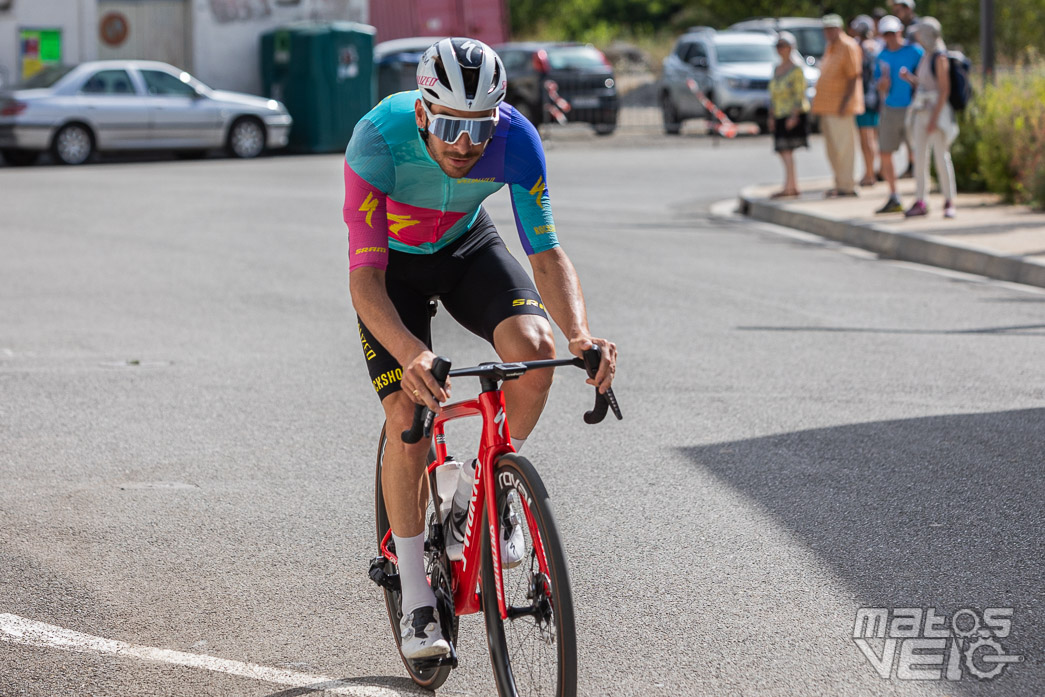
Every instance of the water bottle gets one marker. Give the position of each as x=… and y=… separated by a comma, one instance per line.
x=464, y=485
x=446, y=481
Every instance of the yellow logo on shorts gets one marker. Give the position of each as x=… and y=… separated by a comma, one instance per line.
x=527, y=302
x=367, y=351
x=543, y=229
x=388, y=378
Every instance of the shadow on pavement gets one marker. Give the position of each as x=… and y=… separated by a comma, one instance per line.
x=941, y=512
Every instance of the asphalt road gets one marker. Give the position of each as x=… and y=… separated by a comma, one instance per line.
x=187, y=437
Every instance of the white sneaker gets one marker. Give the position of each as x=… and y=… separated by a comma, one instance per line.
x=513, y=544
x=422, y=635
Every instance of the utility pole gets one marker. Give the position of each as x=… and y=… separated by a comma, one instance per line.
x=987, y=39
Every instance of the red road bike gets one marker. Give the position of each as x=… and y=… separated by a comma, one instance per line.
x=528, y=608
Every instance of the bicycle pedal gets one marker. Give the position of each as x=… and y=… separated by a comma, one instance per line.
x=381, y=577
x=420, y=664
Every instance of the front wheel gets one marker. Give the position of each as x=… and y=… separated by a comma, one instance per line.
x=670, y=114
x=534, y=651
x=246, y=138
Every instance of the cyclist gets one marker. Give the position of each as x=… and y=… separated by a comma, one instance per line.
x=417, y=170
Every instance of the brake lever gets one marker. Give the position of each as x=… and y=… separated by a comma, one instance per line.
x=603, y=401
x=423, y=416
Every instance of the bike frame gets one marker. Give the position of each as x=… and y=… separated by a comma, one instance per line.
x=495, y=442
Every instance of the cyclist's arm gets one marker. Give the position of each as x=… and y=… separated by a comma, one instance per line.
x=560, y=289
x=365, y=214
x=554, y=275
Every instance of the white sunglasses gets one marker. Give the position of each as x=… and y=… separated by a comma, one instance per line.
x=450, y=128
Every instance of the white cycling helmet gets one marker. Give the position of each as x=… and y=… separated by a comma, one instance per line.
x=462, y=74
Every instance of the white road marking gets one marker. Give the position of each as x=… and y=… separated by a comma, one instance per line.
x=19, y=630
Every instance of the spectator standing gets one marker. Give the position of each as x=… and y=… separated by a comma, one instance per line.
x=790, y=106
x=895, y=98
x=867, y=122
x=904, y=11
x=839, y=97
x=933, y=126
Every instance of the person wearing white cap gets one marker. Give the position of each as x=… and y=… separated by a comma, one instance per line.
x=932, y=122
x=839, y=97
x=898, y=54
x=904, y=11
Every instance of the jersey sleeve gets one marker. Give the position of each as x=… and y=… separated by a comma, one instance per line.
x=527, y=177
x=369, y=175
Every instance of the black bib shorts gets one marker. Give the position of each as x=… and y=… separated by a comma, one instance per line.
x=475, y=277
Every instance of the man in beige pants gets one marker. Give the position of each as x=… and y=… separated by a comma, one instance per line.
x=839, y=98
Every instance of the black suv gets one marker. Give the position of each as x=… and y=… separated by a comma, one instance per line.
x=582, y=76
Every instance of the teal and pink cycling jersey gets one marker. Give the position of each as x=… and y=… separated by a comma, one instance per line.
x=397, y=197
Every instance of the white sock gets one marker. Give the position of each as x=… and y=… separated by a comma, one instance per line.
x=517, y=443
x=411, y=554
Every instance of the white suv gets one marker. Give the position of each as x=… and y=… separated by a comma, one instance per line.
x=731, y=68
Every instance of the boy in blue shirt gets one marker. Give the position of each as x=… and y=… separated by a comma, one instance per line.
x=898, y=55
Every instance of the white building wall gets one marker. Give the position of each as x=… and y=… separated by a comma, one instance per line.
x=78, y=20
x=227, y=34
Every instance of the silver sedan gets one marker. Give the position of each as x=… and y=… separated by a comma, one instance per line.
x=132, y=105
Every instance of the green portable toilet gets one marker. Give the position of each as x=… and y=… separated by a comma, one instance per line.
x=324, y=73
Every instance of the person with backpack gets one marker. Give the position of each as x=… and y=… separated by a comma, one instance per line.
x=867, y=122
x=932, y=119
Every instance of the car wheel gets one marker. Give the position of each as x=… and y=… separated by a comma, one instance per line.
x=604, y=129
x=246, y=138
x=73, y=144
x=20, y=158
x=672, y=125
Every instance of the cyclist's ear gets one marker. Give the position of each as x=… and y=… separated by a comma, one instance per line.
x=419, y=115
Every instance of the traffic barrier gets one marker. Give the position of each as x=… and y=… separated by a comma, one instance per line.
x=558, y=106
x=724, y=126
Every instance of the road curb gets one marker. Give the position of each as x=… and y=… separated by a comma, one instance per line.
x=890, y=244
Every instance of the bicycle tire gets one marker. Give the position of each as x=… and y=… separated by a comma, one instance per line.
x=430, y=678
x=505, y=637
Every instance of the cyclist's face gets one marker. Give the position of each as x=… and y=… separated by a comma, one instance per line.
x=458, y=158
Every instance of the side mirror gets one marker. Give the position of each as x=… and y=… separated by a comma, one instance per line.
x=698, y=62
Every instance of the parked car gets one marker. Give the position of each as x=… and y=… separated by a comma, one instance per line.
x=396, y=63
x=809, y=33
x=74, y=111
x=582, y=75
x=732, y=69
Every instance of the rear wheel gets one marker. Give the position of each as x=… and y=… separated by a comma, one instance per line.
x=534, y=651
x=73, y=144
x=670, y=114
x=438, y=570
x=604, y=129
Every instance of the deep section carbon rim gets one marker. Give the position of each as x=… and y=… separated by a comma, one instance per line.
x=533, y=651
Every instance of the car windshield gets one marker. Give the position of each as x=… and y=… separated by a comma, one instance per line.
x=745, y=53
x=575, y=57
x=45, y=78
x=811, y=41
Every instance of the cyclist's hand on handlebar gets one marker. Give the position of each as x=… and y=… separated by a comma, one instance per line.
x=607, y=366
x=420, y=385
